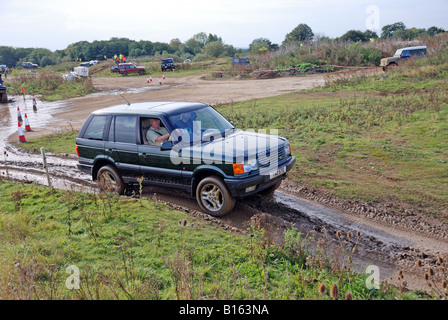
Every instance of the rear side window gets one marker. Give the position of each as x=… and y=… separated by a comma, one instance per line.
x=95, y=128
x=125, y=129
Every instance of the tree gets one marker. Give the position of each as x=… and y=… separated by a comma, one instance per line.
x=389, y=30
x=354, y=36
x=300, y=33
x=261, y=45
x=214, y=49
x=213, y=38
x=432, y=31
x=175, y=43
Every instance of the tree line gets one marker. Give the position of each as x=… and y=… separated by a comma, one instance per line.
x=199, y=47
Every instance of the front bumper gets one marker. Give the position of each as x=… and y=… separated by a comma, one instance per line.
x=239, y=187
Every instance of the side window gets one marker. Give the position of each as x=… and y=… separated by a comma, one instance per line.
x=95, y=129
x=125, y=129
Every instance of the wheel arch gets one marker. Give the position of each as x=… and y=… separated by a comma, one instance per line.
x=202, y=173
x=100, y=163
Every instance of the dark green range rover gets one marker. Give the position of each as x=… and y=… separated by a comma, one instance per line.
x=202, y=152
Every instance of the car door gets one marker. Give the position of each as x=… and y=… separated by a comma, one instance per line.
x=122, y=145
x=156, y=165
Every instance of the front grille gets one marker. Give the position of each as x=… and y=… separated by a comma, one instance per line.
x=271, y=157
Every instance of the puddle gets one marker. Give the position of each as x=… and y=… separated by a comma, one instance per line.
x=112, y=92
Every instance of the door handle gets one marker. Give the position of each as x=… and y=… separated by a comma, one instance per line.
x=142, y=154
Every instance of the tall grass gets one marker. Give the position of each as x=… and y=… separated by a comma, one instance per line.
x=51, y=87
x=139, y=249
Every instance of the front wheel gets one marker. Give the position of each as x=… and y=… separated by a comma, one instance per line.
x=213, y=197
x=110, y=180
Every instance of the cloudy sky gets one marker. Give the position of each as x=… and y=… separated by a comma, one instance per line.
x=54, y=24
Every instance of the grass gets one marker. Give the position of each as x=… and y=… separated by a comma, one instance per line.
x=127, y=248
x=51, y=86
x=63, y=143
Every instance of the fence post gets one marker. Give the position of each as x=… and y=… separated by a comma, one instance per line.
x=42, y=151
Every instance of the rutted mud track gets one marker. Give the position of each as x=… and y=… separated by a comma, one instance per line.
x=391, y=237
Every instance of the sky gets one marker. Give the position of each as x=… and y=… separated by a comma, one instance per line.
x=54, y=24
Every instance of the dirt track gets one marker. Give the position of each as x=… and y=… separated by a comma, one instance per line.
x=392, y=239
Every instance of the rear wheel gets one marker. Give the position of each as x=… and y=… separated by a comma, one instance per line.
x=141, y=72
x=110, y=180
x=213, y=197
x=125, y=74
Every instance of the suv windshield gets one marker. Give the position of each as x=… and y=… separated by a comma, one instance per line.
x=206, y=120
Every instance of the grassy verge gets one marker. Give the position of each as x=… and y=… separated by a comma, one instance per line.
x=50, y=86
x=55, y=143
x=127, y=248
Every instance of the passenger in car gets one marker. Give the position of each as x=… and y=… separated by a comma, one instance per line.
x=156, y=134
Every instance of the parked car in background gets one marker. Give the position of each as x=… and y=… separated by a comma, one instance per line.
x=29, y=65
x=4, y=68
x=204, y=154
x=240, y=61
x=168, y=64
x=126, y=68
x=401, y=54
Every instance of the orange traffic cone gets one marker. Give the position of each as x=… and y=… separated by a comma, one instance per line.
x=21, y=135
x=19, y=115
x=27, y=124
x=163, y=77
x=160, y=81
x=150, y=79
x=147, y=79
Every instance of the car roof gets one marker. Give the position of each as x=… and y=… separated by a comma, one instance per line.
x=152, y=108
x=413, y=48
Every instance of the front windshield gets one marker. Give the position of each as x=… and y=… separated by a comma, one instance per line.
x=201, y=122
x=398, y=52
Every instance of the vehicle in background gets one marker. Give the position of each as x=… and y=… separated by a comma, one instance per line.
x=240, y=61
x=168, y=64
x=29, y=65
x=401, y=54
x=4, y=68
x=82, y=72
x=126, y=68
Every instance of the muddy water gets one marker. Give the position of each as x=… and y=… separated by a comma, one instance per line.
x=18, y=165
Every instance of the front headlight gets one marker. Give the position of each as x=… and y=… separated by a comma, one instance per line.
x=246, y=167
x=250, y=165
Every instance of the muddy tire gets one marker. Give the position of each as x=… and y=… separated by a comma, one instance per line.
x=109, y=180
x=213, y=197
